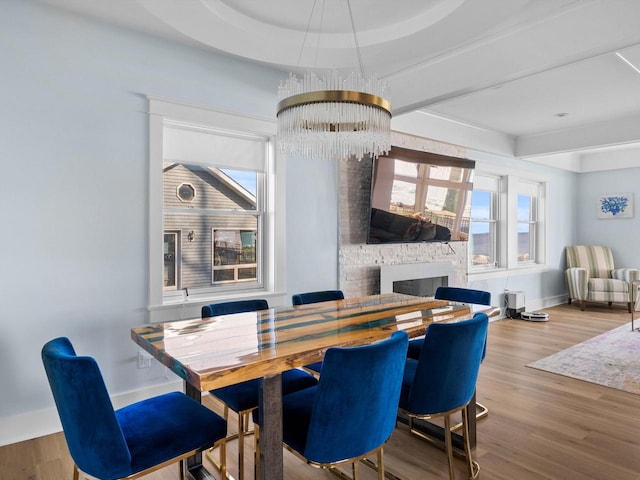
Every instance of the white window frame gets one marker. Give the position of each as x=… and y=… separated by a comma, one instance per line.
x=491, y=184
x=163, y=304
x=509, y=185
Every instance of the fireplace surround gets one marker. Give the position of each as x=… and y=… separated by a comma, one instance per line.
x=420, y=279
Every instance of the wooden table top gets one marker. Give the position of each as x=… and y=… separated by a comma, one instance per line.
x=224, y=350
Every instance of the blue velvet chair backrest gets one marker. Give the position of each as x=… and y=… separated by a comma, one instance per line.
x=355, y=406
x=315, y=297
x=448, y=366
x=465, y=295
x=93, y=434
x=228, y=308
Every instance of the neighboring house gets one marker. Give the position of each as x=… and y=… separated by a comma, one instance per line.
x=209, y=231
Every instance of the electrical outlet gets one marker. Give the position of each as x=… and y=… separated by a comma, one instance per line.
x=144, y=360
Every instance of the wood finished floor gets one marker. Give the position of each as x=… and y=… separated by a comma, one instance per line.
x=540, y=425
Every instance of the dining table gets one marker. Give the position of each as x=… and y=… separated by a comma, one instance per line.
x=224, y=350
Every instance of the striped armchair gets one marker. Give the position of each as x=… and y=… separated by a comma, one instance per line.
x=592, y=277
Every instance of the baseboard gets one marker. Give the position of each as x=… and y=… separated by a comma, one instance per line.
x=547, y=302
x=19, y=428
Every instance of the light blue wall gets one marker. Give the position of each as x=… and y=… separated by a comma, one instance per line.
x=312, y=226
x=620, y=234
x=74, y=186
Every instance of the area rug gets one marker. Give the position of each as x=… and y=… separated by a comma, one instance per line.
x=611, y=359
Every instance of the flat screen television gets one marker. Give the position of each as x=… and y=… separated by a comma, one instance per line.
x=420, y=197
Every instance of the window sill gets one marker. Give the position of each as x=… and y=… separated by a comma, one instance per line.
x=190, y=307
x=506, y=272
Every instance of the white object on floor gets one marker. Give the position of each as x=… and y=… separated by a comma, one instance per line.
x=535, y=316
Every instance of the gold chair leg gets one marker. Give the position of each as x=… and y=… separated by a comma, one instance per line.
x=473, y=467
x=448, y=445
x=481, y=412
x=256, y=454
x=223, y=459
x=243, y=427
x=76, y=473
x=241, y=419
x=221, y=466
x=379, y=467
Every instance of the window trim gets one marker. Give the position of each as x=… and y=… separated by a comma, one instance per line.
x=162, y=110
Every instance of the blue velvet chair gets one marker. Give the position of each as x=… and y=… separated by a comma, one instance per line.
x=453, y=294
x=316, y=297
x=129, y=442
x=238, y=306
x=352, y=411
x=243, y=397
x=462, y=295
x=443, y=380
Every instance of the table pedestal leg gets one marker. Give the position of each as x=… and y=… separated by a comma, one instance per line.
x=195, y=469
x=271, y=429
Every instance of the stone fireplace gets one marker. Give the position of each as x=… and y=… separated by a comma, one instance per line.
x=361, y=265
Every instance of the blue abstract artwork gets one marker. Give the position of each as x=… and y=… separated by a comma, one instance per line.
x=619, y=205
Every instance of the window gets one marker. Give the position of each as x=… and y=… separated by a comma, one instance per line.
x=186, y=193
x=527, y=199
x=220, y=228
x=483, y=240
x=506, y=223
x=213, y=204
x=234, y=256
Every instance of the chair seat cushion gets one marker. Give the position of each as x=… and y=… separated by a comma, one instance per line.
x=608, y=285
x=164, y=427
x=244, y=395
x=608, y=290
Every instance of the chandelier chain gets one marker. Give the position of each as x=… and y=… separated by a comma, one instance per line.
x=355, y=39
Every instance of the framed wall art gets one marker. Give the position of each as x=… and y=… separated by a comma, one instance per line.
x=615, y=205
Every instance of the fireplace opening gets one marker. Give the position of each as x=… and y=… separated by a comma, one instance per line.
x=420, y=287
x=418, y=279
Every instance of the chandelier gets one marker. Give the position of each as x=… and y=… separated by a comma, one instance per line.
x=331, y=116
